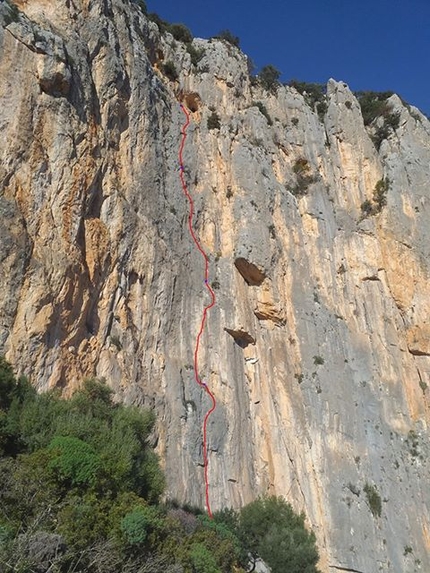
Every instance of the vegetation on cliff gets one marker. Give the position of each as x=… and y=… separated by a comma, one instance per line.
x=80, y=491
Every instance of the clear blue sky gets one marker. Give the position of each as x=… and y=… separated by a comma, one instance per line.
x=370, y=44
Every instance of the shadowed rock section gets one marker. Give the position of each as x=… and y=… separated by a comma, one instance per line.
x=418, y=338
x=250, y=272
x=241, y=337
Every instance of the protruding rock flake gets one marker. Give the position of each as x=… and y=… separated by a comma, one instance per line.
x=250, y=272
x=241, y=337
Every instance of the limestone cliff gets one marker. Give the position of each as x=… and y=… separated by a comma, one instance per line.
x=318, y=349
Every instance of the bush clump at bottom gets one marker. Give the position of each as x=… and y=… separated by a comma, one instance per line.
x=80, y=489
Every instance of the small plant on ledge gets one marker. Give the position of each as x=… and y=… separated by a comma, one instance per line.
x=214, y=121
x=170, y=71
x=301, y=169
x=379, y=199
x=373, y=499
x=263, y=110
x=228, y=37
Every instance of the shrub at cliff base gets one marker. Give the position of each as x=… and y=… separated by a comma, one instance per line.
x=80, y=491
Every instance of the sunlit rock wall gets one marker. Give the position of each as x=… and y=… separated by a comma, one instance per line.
x=318, y=349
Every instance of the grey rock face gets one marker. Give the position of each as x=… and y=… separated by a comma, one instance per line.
x=318, y=347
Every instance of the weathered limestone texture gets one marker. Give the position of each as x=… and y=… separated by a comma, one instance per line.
x=318, y=349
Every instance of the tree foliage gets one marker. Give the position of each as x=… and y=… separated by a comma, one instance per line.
x=180, y=32
x=137, y=524
x=315, y=95
x=373, y=104
x=214, y=121
x=74, y=462
x=373, y=499
x=162, y=24
x=170, y=71
x=202, y=560
x=142, y=5
x=263, y=110
x=7, y=384
x=379, y=198
x=270, y=529
x=196, y=54
x=229, y=37
x=269, y=78
x=80, y=488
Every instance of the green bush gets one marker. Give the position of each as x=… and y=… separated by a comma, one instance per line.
x=304, y=178
x=82, y=474
x=170, y=71
x=321, y=108
x=373, y=104
x=390, y=123
x=301, y=166
x=180, y=32
x=162, y=24
x=83, y=519
x=412, y=441
x=219, y=535
x=227, y=36
x=90, y=421
x=27, y=491
x=269, y=78
x=312, y=92
x=379, y=199
x=135, y=526
x=7, y=384
x=139, y=523
x=202, y=560
x=195, y=54
x=392, y=120
x=380, y=193
x=314, y=95
x=367, y=208
x=77, y=469
x=373, y=499
x=142, y=6
x=75, y=462
x=270, y=529
x=263, y=110
x=381, y=133
x=214, y=121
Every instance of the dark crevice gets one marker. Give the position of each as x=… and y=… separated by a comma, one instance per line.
x=250, y=272
x=241, y=337
x=417, y=352
x=339, y=568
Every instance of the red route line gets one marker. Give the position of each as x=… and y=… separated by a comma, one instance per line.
x=205, y=309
